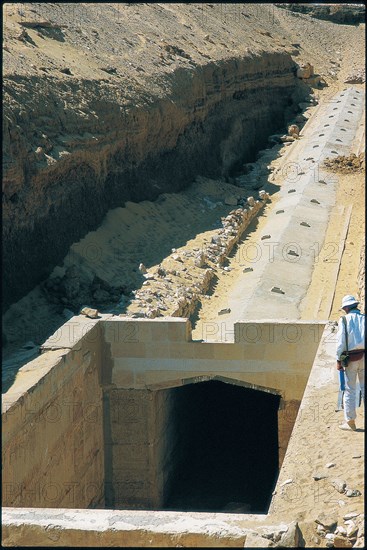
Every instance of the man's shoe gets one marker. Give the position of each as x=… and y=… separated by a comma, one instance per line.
x=349, y=426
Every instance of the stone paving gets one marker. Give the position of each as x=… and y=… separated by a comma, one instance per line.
x=283, y=254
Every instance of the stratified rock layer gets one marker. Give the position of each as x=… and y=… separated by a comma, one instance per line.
x=115, y=151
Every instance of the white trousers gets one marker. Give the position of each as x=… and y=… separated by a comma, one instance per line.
x=354, y=369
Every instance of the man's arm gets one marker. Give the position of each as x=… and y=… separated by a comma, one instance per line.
x=340, y=343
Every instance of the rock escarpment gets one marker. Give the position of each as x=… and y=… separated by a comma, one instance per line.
x=75, y=149
x=349, y=14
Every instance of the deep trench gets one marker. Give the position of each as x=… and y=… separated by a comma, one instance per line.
x=226, y=449
x=214, y=145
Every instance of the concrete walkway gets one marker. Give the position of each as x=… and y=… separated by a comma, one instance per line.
x=281, y=254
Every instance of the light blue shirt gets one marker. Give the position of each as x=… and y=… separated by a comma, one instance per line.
x=355, y=328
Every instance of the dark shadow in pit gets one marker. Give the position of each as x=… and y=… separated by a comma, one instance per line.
x=226, y=449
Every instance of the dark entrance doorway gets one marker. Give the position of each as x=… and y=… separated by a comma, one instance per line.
x=226, y=448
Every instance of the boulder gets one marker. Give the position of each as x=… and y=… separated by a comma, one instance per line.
x=153, y=313
x=305, y=71
x=352, y=492
x=293, y=130
x=254, y=540
x=89, y=312
x=161, y=272
x=230, y=200
x=339, y=484
x=287, y=139
x=39, y=153
x=318, y=475
x=216, y=240
x=292, y=538
x=329, y=522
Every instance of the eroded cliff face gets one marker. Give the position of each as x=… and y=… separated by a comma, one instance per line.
x=75, y=149
x=350, y=14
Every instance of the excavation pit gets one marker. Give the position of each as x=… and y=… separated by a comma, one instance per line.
x=132, y=416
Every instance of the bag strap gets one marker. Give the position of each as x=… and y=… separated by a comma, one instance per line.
x=346, y=332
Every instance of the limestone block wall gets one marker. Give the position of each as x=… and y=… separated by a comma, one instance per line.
x=142, y=357
x=166, y=443
x=159, y=353
x=131, y=455
x=52, y=449
x=142, y=445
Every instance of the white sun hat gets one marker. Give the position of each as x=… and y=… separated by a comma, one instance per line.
x=349, y=300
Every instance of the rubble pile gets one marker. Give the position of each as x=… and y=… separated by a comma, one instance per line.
x=356, y=77
x=328, y=532
x=346, y=534
x=176, y=286
x=346, y=164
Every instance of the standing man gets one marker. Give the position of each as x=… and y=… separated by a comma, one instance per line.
x=353, y=341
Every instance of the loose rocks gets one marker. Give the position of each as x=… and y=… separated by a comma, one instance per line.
x=231, y=200
x=188, y=283
x=352, y=493
x=327, y=522
x=346, y=164
x=305, y=71
x=293, y=130
x=89, y=312
x=339, y=484
x=319, y=475
x=291, y=538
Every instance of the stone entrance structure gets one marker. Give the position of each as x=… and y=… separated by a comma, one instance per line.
x=98, y=420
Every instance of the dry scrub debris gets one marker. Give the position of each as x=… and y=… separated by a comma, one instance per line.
x=346, y=164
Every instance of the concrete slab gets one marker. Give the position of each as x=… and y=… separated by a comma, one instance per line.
x=329, y=131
